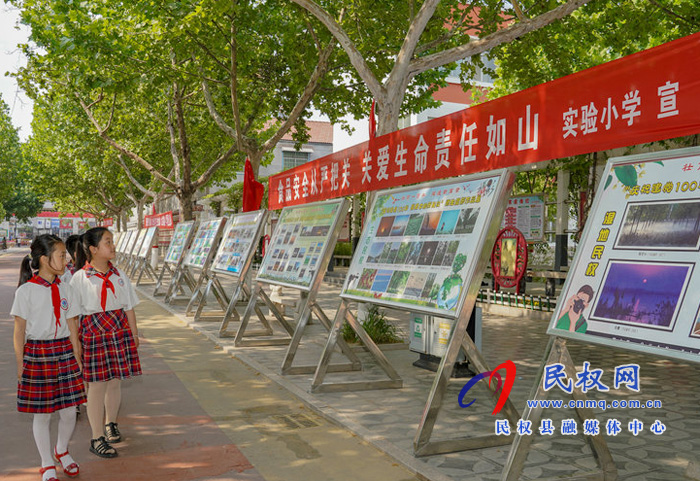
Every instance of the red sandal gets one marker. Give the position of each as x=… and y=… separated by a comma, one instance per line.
x=72, y=470
x=48, y=468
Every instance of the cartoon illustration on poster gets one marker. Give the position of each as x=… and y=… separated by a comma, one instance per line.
x=634, y=280
x=237, y=243
x=203, y=243
x=177, y=244
x=298, y=243
x=417, y=248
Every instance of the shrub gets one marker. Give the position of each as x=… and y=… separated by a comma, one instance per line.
x=379, y=329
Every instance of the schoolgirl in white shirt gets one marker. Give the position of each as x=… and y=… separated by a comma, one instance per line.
x=48, y=351
x=108, y=334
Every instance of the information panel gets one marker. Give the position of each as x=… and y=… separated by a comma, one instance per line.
x=131, y=242
x=238, y=242
x=147, y=242
x=177, y=244
x=203, y=243
x=418, y=248
x=526, y=213
x=299, y=242
x=634, y=282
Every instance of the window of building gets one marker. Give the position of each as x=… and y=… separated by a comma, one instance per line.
x=292, y=158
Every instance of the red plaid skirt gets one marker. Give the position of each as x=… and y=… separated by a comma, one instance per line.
x=51, y=378
x=109, y=350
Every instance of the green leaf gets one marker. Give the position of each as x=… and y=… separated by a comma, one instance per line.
x=626, y=174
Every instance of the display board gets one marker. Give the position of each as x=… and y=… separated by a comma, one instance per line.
x=139, y=241
x=147, y=242
x=634, y=281
x=299, y=243
x=177, y=244
x=417, y=247
x=526, y=213
x=238, y=242
x=121, y=238
x=131, y=242
x=203, y=243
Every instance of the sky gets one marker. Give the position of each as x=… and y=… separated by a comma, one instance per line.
x=11, y=59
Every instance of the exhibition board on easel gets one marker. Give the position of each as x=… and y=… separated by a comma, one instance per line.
x=202, y=248
x=635, y=278
x=138, y=243
x=147, y=242
x=298, y=246
x=238, y=242
x=178, y=244
x=419, y=247
x=131, y=244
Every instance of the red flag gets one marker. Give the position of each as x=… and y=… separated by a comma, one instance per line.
x=372, y=122
x=252, y=189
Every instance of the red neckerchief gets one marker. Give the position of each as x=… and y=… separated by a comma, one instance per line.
x=55, y=296
x=106, y=283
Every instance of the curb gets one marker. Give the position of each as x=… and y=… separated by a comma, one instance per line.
x=410, y=462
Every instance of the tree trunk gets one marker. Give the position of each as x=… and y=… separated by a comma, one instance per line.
x=186, y=205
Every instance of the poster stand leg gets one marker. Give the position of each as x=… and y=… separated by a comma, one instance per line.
x=196, y=293
x=259, y=294
x=159, y=280
x=182, y=276
x=214, y=285
x=422, y=446
x=557, y=352
x=231, y=312
x=323, y=367
x=287, y=369
x=145, y=268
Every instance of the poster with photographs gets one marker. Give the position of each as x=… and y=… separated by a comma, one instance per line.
x=419, y=246
x=238, y=242
x=203, y=243
x=299, y=242
x=526, y=213
x=634, y=281
x=147, y=241
x=178, y=243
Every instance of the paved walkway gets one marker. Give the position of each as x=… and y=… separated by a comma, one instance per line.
x=389, y=418
x=195, y=414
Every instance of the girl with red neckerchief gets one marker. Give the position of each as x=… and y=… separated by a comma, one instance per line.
x=108, y=334
x=48, y=351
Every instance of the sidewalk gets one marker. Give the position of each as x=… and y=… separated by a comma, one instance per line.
x=389, y=418
x=195, y=414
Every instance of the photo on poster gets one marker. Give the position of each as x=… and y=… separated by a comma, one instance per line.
x=385, y=252
x=431, y=289
x=398, y=281
x=448, y=221
x=451, y=252
x=414, y=224
x=366, y=279
x=440, y=253
x=393, y=253
x=384, y=229
x=427, y=253
x=414, y=253
x=644, y=294
x=466, y=221
x=375, y=252
x=695, y=330
x=399, y=225
x=661, y=225
x=430, y=223
x=404, y=250
x=415, y=284
x=381, y=280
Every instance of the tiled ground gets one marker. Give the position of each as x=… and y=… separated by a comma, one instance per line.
x=390, y=417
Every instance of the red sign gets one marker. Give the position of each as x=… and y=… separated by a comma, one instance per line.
x=509, y=258
x=66, y=223
x=108, y=222
x=651, y=95
x=163, y=221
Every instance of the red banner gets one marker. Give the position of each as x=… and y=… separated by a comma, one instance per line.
x=651, y=95
x=66, y=223
x=163, y=221
x=108, y=222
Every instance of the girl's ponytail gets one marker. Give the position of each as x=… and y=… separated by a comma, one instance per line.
x=25, y=270
x=80, y=255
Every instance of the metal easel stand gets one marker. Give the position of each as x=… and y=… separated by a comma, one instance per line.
x=422, y=445
x=201, y=292
x=159, y=279
x=324, y=365
x=213, y=284
x=144, y=267
x=182, y=278
x=558, y=353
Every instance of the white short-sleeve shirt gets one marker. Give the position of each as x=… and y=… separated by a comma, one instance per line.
x=33, y=304
x=87, y=288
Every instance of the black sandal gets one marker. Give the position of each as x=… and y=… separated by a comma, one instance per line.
x=112, y=434
x=100, y=447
